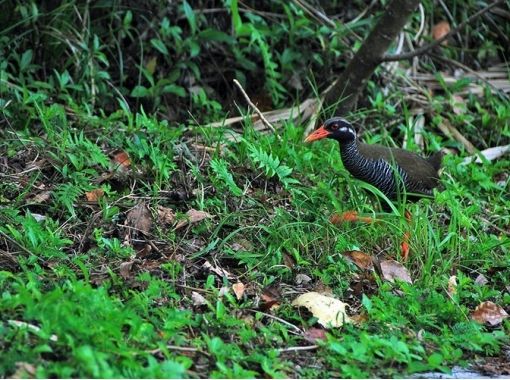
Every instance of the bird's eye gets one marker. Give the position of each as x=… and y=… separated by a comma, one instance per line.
x=334, y=127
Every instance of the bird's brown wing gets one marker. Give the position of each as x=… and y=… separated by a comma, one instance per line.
x=421, y=174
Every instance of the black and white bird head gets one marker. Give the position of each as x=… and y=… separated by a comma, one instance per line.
x=336, y=128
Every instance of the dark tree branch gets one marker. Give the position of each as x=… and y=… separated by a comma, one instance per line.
x=426, y=48
x=350, y=83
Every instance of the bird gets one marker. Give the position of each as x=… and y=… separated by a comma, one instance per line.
x=393, y=171
x=397, y=173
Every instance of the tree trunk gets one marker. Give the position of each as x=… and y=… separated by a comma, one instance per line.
x=352, y=81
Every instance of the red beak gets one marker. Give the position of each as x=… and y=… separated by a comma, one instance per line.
x=317, y=134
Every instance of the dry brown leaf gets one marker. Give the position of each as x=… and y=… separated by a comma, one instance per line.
x=122, y=159
x=42, y=197
x=238, y=289
x=288, y=261
x=270, y=298
x=392, y=270
x=440, y=30
x=140, y=218
x=314, y=334
x=125, y=270
x=452, y=286
x=329, y=311
x=360, y=259
x=193, y=216
x=490, y=313
x=359, y=319
x=166, y=215
x=94, y=195
x=217, y=270
x=198, y=299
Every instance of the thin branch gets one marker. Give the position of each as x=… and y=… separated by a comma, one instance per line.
x=294, y=327
x=298, y=348
x=252, y=105
x=426, y=48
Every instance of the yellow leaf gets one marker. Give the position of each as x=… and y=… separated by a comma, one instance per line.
x=329, y=311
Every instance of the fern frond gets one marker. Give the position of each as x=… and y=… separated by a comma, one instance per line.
x=220, y=168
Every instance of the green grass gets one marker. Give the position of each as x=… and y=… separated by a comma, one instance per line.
x=269, y=198
x=99, y=295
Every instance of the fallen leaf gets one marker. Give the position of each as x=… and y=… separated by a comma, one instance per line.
x=302, y=279
x=122, y=159
x=490, y=313
x=42, y=197
x=452, y=286
x=458, y=104
x=392, y=270
x=314, y=334
x=125, y=270
x=359, y=319
x=140, y=218
x=94, y=195
x=193, y=216
x=242, y=245
x=270, y=298
x=223, y=290
x=440, y=30
x=329, y=311
x=166, y=215
x=38, y=217
x=24, y=370
x=360, y=259
x=481, y=280
x=238, y=289
x=288, y=261
x=217, y=270
x=198, y=299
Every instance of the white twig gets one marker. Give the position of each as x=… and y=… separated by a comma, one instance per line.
x=298, y=348
x=252, y=105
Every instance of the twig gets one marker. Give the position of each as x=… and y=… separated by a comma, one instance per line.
x=426, y=48
x=261, y=115
x=321, y=17
x=468, y=69
x=298, y=348
x=178, y=348
x=278, y=319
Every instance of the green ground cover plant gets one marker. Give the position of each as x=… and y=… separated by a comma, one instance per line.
x=138, y=241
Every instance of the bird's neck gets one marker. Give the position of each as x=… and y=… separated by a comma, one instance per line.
x=349, y=151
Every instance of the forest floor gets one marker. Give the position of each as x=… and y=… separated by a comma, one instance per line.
x=133, y=245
